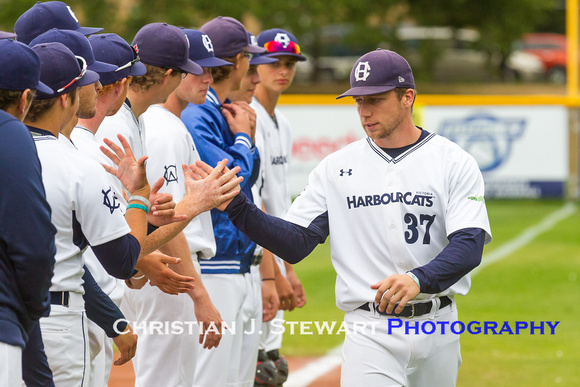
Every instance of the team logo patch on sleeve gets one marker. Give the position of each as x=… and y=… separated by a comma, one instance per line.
x=110, y=200
x=170, y=174
x=476, y=198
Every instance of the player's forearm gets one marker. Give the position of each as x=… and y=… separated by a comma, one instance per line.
x=179, y=248
x=287, y=240
x=459, y=257
x=162, y=235
x=136, y=217
x=267, y=265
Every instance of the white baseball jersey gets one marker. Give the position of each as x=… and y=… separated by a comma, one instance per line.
x=84, y=210
x=85, y=141
x=169, y=146
x=389, y=215
x=275, y=146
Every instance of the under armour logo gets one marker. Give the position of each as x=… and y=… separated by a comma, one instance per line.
x=112, y=205
x=170, y=174
x=401, y=79
x=362, y=71
x=207, y=43
x=72, y=14
x=282, y=38
x=348, y=172
x=253, y=40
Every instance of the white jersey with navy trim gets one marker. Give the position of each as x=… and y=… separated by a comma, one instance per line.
x=83, y=207
x=170, y=145
x=85, y=141
x=397, y=220
x=275, y=146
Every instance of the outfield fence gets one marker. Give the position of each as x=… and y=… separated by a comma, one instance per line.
x=526, y=145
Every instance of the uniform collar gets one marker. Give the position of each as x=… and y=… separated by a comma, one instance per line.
x=39, y=132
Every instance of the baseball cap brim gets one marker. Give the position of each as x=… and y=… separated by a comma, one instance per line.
x=7, y=35
x=299, y=57
x=42, y=88
x=89, y=78
x=366, y=90
x=212, y=62
x=101, y=67
x=262, y=59
x=138, y=69
x=86, y=31
x=191, y=67
x=255, y=49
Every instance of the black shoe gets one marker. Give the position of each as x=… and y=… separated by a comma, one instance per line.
x=266, y=371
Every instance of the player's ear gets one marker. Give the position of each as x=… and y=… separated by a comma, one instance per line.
x=238, y=60
x=25, y=101
x=408, y=98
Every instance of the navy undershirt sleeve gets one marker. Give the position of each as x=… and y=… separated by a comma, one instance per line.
x=287, y=240
x=459, y=257
x=119, y=256
x=100, y=308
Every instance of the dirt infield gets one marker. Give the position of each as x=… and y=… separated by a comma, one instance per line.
x=124, y=376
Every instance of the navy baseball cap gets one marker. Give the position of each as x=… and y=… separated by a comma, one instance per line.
x=229, y=37
x=61, y=70
x=7, y=35
x=20, y=67
x=164, y=45
x=378, y=72
x=259, y=59
x=44, y=16
x=111, y=48
x=77, y=43
x=278, y=42
x=201, y=49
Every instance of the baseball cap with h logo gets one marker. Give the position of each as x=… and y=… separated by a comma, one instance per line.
x=377, y=72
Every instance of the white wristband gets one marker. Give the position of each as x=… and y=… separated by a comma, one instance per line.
x=140, y=199
x=138, y=278
x=414, y=277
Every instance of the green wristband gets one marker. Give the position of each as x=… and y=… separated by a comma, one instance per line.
x=139, y=206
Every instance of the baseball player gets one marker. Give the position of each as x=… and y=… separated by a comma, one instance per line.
x=274, y=141
x=265, y=302
x=44, y=16
x=163, y=49
x=222, y=130
x=407, y=227
x=112, y=49
x=26, y=258
x=82, y=210
x=171, y=359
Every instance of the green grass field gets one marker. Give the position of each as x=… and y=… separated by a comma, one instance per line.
x=538, y=282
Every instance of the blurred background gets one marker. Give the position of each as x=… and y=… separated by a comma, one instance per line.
x=453, y=45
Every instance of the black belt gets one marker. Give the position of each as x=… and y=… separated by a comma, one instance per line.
x=410, y=310
x=60, y=298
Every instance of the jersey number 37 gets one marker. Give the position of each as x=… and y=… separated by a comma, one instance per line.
x=413, y=225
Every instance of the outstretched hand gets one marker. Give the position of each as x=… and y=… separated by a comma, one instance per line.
x=162, y=210
x=201, y=171
x=129, y=171
x=155, y=267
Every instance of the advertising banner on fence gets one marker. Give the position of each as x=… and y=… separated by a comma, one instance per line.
x=521, y=150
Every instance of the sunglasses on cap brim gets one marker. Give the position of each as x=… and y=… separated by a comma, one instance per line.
x=83, y=64
x=274, y=46
x=132, y=62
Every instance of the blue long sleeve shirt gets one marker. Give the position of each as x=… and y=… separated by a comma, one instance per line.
x=215, y=142
x=26, y=234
